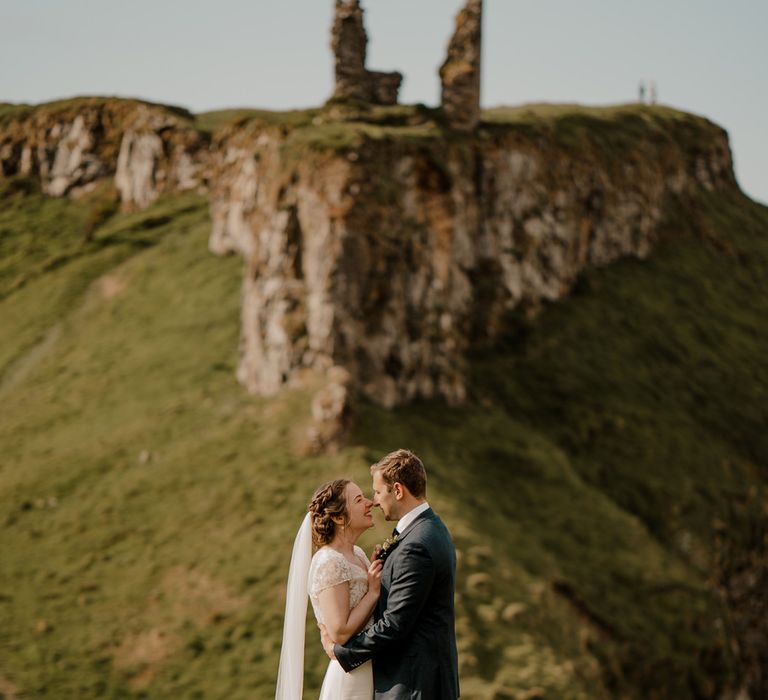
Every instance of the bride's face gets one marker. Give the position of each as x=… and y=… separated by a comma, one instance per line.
x=358, y=508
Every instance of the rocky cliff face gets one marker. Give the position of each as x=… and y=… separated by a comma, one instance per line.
x=390, y=254
x=383, y=244
x=72, y=145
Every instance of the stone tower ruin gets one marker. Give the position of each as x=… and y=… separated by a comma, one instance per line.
x=460, y=73
x=353, y=80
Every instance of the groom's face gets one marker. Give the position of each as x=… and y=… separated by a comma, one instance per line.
x=384, y=497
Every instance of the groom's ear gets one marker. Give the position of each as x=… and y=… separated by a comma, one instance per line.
x=399, y=490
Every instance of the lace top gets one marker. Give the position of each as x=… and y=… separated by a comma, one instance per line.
x=330, y=568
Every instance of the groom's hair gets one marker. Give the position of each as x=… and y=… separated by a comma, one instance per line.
x=403, y=467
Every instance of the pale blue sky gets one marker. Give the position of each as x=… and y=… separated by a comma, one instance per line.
x=706, y=56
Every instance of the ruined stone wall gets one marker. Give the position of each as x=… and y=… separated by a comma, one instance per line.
x=349, y=42
x=461, y=71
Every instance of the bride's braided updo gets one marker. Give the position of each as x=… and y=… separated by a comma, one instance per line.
x=329, y=502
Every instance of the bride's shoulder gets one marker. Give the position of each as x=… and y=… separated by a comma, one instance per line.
x=328, y=568
x=325, y=554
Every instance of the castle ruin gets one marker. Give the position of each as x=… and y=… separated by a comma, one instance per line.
x=349, y=42
x=459, y=74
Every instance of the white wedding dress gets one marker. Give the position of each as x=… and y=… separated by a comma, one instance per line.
x=330, y=568
x=308, y=576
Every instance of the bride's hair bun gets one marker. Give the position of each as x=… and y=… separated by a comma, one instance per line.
x=329, y=502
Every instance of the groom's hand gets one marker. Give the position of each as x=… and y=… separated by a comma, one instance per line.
x=327, y=642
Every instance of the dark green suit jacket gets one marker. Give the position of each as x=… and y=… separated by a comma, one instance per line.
x=413, y=641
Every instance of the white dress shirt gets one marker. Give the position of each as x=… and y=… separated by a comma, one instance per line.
x=410, y=516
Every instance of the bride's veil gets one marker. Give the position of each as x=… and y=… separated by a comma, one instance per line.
x=290, y=676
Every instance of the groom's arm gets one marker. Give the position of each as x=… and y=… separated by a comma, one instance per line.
x=411, y=584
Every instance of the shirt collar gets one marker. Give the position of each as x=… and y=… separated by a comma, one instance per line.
x=410, y=516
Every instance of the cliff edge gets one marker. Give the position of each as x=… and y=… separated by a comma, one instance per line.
x=378, y=240
x=386, y=244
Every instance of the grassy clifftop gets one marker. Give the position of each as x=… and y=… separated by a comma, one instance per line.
x=339, y=127
x=325, y=123
x=606, y=483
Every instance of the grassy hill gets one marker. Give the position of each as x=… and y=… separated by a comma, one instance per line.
x=606, y=483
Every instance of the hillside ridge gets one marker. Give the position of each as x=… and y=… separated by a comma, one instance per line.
x=604, y=478
x=380, y=244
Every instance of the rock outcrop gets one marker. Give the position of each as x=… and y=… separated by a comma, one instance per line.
x=71, y=146
x=388, y=249
x=349, y=42
x=331, y=412
x=460, y=73
x=158, y=155
x=388, y=257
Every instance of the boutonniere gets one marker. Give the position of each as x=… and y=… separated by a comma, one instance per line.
x=387, y=546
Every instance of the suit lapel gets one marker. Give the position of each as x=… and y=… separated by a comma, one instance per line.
x=386, y=576
x=427, y=514
x=421, y=517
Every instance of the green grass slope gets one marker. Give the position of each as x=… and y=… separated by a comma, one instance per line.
x=605, y=484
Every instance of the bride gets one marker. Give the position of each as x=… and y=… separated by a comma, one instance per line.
x=341, y=583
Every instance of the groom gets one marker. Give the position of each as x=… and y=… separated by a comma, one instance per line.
x=413, y=641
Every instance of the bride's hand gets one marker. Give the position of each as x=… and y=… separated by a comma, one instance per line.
x=326, y=641
x=374, y=576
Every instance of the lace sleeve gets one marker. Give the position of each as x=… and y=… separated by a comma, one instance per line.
x=329, y=569
x=361, y=555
